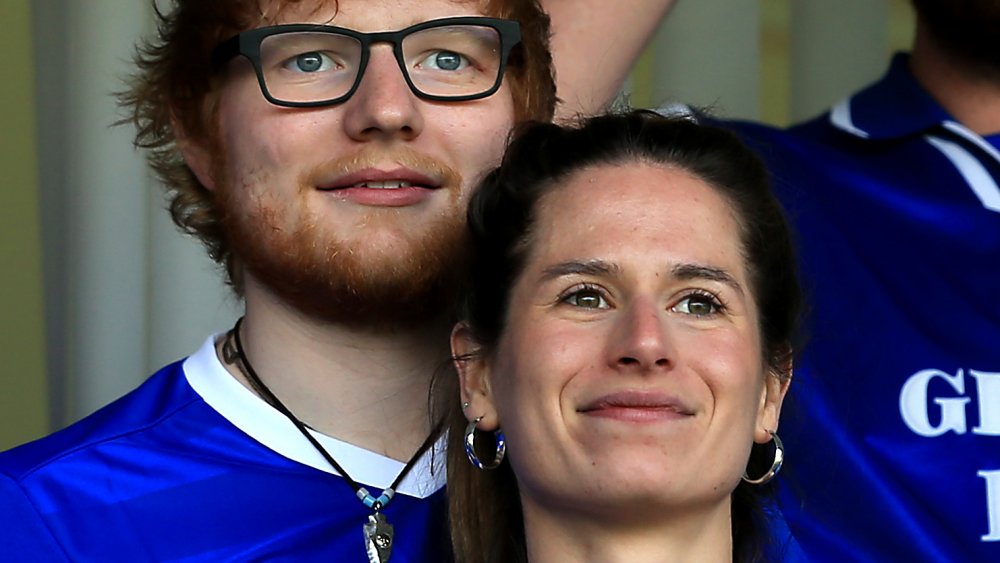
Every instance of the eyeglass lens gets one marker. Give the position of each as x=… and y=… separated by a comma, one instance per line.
x=456, y=60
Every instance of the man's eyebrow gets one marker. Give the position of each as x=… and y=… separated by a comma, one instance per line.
x=700, y=271
x=573, y=267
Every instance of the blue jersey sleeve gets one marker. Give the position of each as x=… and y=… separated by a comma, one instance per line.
x=24, y=536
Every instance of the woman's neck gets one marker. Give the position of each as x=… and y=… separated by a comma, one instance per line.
x=696, y=535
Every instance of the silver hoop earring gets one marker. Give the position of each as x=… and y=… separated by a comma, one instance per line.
x=779, y=458
x=470, y=446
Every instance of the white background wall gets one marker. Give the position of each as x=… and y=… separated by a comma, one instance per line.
x=125, y=293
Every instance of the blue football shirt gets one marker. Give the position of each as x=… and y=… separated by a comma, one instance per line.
x=192, y=466
x=893, y=427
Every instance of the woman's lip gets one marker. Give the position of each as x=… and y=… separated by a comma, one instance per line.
x=636, y=414
x=637, y=405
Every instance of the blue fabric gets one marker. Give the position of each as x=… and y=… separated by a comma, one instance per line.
x=160, y=476
x=893, y=425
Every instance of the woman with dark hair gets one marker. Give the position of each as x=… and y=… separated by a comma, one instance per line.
x=627, y=337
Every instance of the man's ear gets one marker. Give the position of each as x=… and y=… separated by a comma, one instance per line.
x=776, y=383
x=473, y=378
x=196, y=154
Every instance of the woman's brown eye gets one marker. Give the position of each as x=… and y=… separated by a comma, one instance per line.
x=587, y=299
x=697, y=305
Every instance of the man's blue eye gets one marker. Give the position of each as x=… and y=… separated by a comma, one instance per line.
x=445, y=60
x=311, y=62
x=448, y=61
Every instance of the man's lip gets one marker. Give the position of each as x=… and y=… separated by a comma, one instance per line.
x=360, y=178
x=650, y=401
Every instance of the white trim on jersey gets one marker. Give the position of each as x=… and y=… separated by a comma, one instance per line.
x=251, y=414
x=975, y=174
x=840, y=117
x=972, y=137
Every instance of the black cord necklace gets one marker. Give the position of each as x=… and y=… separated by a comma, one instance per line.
x=378, y=532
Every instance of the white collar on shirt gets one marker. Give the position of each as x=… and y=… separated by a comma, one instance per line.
x=251, y=414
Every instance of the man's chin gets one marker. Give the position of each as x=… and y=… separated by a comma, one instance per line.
x=386, y=284
x=376, y=272
x=382, y=307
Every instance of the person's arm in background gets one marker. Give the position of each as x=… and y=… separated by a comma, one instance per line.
x=595, y=43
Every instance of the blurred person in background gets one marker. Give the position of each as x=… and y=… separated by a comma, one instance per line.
x=894, y=192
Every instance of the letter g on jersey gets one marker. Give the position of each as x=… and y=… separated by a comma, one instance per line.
x=951, y=410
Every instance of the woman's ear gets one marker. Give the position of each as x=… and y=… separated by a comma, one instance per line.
x=196, y=154
x=473, y=378
x=776, y=383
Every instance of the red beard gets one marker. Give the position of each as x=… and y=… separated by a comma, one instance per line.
x=390, y=279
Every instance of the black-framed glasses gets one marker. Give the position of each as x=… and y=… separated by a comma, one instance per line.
x=309, y=65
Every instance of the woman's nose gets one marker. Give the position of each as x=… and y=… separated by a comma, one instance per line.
x=641, y=340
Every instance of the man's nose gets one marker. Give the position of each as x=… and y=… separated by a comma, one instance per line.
x=383, y=106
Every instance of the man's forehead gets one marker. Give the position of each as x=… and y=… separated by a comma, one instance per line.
x=330, y=11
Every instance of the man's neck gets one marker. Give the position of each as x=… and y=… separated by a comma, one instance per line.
x=363, y=387
x=968, y=93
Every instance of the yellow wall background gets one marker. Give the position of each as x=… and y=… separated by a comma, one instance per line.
x=775, y=56
x=775, y=64
x=23, y=389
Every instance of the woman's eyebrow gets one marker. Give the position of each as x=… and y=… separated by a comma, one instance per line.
x=573, y=267
x=700, y=271
x=602, y=268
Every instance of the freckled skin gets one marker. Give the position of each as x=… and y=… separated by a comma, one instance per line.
x=276, y=155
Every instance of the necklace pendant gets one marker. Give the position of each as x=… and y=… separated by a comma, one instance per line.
x=378, y=538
